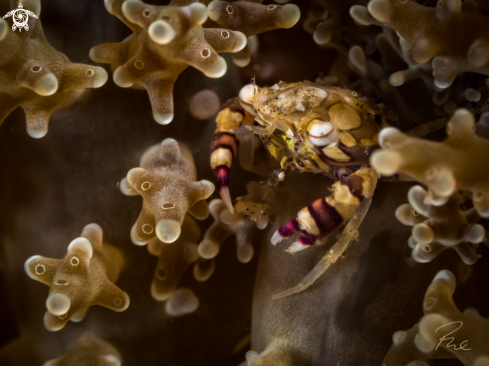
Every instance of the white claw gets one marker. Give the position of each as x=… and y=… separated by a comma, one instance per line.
x=226, y=198
x=296, y=247
x=276, y=238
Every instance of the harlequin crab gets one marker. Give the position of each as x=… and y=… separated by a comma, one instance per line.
x=310, y=128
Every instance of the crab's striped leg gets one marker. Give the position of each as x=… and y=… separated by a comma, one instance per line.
x=224, y=146
x=325, y=215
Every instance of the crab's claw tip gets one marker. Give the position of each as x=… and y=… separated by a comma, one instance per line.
x=276, y=238
x=296, y=247
x=226, y=198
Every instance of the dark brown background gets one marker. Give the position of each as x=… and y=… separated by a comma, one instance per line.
x=52, y=187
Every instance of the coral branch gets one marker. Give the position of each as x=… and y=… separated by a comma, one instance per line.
x=89, y=350
x=455, y=163
x=84, y=278
x=250, y=213
x=439, y=227
x=443, y=332
x=165, y=41
x=428, y=33
x=166, y=179
x=37, y=77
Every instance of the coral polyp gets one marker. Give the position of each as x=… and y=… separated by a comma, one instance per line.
x=85, y=277
x=165, y=41
x=88, y=350
x=167, y=181
x=35, y=76
x=173, y=259
x=344, y=147
x=240, y=224
x=452, y=164
x=432, y=33
x=441, y=326
x=440, y=227
x=252, y=18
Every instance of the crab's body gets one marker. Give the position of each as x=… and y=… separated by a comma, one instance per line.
x=287, y=114
x=310, y=128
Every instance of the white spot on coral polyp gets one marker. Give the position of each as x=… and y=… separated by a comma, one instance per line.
x=167, y=206
x=36, y=68
x=74, y=261
x=62, y=317
x=146, y=13
x=145, y=186
x=62, y=283
x=117, y=302
x=225, y=34
x=40, y=269
x=205, y=53
x=479, y=195
x=229, y=9
x=429, y=303
x=161, y=273
x=90, y=72
x=147, y=229
x=427, y=248
x=138, y=64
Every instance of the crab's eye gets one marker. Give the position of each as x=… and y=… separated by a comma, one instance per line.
x=247, y=93
x=321, y=133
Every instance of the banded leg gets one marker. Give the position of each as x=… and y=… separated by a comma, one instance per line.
x=349, y=233
x=325, y=215
x=224, y=146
